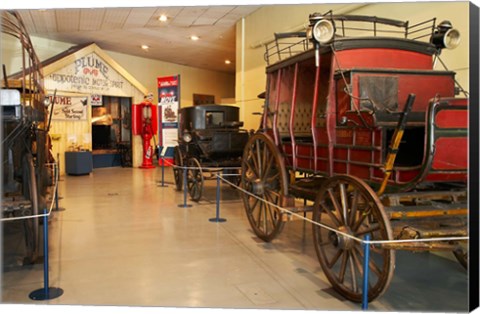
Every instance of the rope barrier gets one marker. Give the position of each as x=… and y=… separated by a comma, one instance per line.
x=284, y=210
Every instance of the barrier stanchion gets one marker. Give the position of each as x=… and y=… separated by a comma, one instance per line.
x=184, y=190
x=163, y=172
x=366, y=260
x=217, y=218
x=45, y=293
x=57, y=177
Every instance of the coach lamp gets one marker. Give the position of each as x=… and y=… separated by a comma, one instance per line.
x=445, y=36
x=321, y=33
x=187, y=137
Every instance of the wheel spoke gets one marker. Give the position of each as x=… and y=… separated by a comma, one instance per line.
x=255, y=163
x=265, y=219
x=343, y=199
x=335, y=205
x=268, y=165
x=343, y=268
x=251, y=167
x=332, y=216
x=371, y=264
x=353, y=209
x=252, y=207
x=259, y=161
x=272, y=178
x=359, y=222
x=334, y=260
x=353, y=273
x=370, y=229
x=270, y=199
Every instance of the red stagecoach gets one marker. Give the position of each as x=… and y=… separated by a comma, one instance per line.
x=358, y=123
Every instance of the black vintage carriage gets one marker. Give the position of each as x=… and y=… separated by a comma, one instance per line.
x=360, y=125
x=210, y=140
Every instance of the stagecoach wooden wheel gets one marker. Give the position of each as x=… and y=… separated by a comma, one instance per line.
x=178, y=172
x=265, y=178
x=347, y=204
x=194, y=179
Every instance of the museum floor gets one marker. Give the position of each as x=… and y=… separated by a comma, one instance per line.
x=120, y=239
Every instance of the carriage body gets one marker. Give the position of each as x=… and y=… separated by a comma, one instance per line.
x=322, y=129
x=370, y=136
x=210, y=139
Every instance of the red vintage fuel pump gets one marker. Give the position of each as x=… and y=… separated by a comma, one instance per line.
x=145, y=125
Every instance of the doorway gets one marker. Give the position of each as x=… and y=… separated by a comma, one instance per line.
x=112, y=132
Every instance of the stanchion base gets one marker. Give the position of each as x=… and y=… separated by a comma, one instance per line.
x=162, y=186
x=40, y=294
x=217, y=219
x=60, y=209
x=184, y=205
x=146, y=167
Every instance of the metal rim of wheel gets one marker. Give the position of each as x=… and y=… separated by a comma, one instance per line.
x=32, y=236
x=461, y=254
x=194, y=179
x=263, y=175
x=178, y=172
x=349, y=205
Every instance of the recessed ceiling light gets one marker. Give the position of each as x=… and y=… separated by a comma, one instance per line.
x=194, y=37
x=163, y=18
x=228, y=61
x=145, y=47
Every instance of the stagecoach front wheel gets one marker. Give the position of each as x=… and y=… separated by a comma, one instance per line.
x=351, y=209
x=177, y=169
x=265, y=179
x=194, y=179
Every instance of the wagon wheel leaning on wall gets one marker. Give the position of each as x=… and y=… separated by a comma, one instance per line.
x=194, y=179
x=265, y=179
x=177, y=169
x=347, y=204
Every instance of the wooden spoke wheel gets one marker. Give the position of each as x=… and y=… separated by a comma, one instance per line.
x=194, y=179
x=265, y=177
x=347, y=204
x=178, y=172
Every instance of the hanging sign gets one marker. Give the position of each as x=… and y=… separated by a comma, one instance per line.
x=89, y=74
x=68, y=107
x=168, y=102
x=95, y=100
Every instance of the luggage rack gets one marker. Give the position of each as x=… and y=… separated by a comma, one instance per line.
x=286, y=45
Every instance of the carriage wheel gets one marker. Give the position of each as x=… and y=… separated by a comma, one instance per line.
x=194, y=179
x=349, y=205
x=263, y=175
x=178, y=172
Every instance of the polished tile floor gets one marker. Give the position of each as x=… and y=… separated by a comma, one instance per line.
x=121, y=239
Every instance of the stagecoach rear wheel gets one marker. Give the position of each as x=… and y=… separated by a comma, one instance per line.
x=177, y=170
x=194, y=179
x=265, y=179
x=347, y=204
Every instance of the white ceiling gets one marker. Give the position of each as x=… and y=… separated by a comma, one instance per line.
x=124, y=30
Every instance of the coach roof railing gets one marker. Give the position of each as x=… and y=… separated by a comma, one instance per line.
x=286, y=45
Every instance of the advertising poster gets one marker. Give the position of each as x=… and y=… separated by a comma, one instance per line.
x=69, y=107
x=168, y=105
